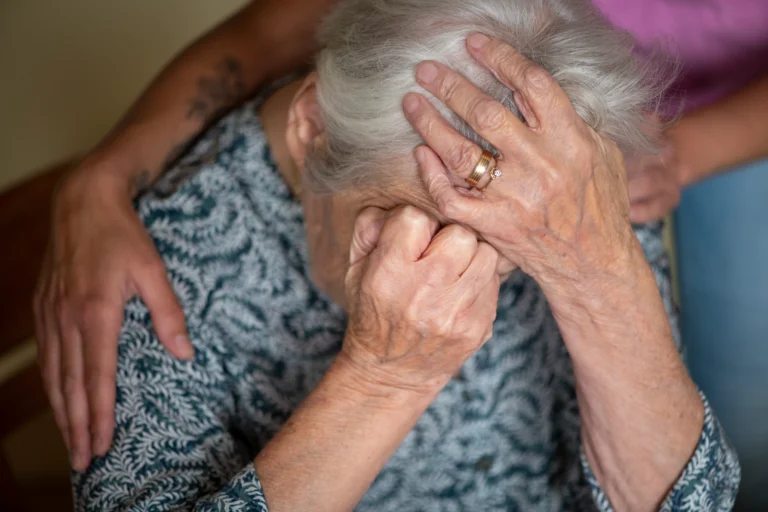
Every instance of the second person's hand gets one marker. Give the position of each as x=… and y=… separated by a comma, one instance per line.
x=99, y=256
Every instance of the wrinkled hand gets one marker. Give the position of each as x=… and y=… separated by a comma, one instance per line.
x=560, y=210
x=422, y=301
x=655, y=182
x=99, y=255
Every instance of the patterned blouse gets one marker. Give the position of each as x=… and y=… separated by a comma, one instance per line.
x=503, y=435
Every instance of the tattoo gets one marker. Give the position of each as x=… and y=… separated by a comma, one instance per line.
x=139, y=182
x=216, y=93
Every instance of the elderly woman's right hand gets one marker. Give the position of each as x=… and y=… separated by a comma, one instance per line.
x=420, y=303
x=561, y=209
x=99, y=255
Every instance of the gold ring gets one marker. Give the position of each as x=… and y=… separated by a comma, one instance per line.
x=494, y=174
x=485, y=163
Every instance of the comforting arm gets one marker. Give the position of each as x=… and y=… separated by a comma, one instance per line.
x=723, y=135
x=99, y=253
x=208, y=78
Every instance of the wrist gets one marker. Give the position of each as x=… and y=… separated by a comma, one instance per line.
x=597, y=287
x=92, y=179
x=372, y=386
x=690, y=166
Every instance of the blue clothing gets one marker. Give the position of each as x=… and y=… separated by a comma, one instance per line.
x=721, y=232
x=504, y=435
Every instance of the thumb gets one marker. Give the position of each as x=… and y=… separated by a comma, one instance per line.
x=366, y=233
x=167, y=315
x=365, y=238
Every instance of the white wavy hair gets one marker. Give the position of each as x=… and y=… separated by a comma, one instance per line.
x=369, y=50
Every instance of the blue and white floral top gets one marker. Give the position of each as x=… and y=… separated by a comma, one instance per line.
x=503, y=435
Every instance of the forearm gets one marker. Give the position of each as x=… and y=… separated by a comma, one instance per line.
x=329, y=452
x=723, y=135
x=211, y=76
x=641, y=414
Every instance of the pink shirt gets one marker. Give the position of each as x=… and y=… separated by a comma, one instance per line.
x=721, y=44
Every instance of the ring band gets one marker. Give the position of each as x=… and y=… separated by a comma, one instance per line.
x=494, y=174
x=485, y=163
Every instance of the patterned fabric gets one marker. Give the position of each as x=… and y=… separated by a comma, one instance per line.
x=503, y=435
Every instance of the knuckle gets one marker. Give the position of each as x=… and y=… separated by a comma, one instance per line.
x=488, y=115
x=448, y=86
x=70, y=384
x=460, y=236
x=440, y=327
x=504, y=59
x=91, y=309
x=76, y=425
x=536, y=79
x=427, y=125
x=98, y=378
x=461, y=157
x=412, y=217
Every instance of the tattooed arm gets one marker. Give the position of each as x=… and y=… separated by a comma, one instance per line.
x=211, y=76
x=99, y=254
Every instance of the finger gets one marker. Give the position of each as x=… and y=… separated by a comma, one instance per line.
x=544, y=97
x=451, y=251
x=407, y=234
x=458, y=154
x=167, y=315
x=366, y=233
x=480, y=271
x=50, y=365
x=100, y=328
x=72, y=378
x=489, y=118
x=38, y=303
x=451, y=203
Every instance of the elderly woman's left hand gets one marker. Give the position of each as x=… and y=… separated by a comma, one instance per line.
x=560, y=209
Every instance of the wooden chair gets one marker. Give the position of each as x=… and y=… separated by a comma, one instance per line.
x=24, y=225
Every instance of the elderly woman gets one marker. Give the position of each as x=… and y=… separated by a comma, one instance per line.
x=456, y=381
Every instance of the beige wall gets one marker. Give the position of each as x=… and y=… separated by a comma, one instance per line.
x=69, y=68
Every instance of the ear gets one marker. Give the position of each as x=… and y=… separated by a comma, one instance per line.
x=305, y=130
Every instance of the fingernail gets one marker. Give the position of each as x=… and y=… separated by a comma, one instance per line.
x=410, y=104
x=477, y=41
x=426, y=72
x=184, y=347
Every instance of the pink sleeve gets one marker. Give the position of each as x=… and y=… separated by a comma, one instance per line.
x=721, y=44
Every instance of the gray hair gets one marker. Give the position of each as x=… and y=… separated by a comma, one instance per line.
x=369, y=50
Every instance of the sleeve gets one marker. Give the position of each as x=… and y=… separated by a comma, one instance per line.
x=709, y=481
x=173, y=446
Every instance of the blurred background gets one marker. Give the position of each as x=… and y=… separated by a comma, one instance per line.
x=68, y=70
